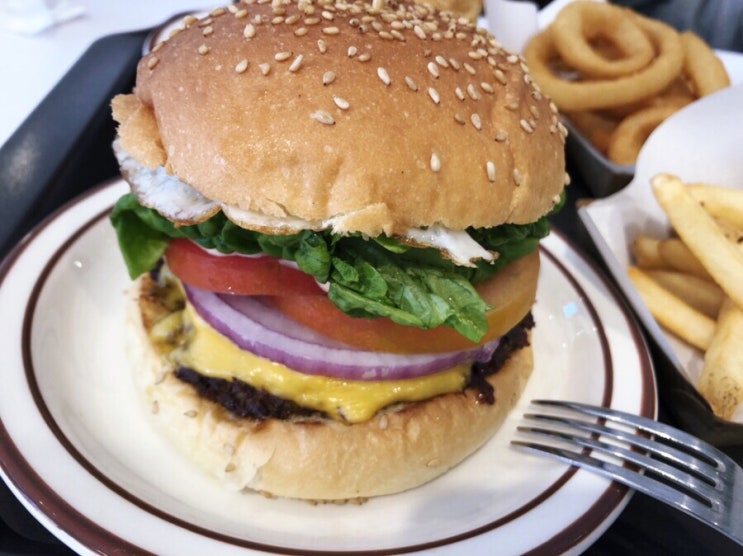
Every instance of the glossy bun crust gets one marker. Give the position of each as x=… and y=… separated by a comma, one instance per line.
x=320, y=459
x=378, y=120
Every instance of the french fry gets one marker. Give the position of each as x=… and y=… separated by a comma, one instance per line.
x=721, y=382
x=675, y=254
x=644, y=251
x=722, y=258
x=731, y=231
x=724, y=203
x=703, y=295
x=671, y=312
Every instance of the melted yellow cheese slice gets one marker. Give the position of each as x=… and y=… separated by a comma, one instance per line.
x=214, y=355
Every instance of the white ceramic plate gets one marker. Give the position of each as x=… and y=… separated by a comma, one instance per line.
x=77, y=448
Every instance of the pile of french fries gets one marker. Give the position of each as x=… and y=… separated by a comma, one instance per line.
x=692, y=282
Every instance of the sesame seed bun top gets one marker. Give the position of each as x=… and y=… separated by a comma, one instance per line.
x=382, y=119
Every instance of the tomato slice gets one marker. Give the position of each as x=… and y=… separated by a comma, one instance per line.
x=511, y=292
x=237, y=274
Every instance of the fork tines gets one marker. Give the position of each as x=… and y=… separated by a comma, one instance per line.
x=674, y=466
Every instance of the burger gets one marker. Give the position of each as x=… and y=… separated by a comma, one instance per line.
x=333, y=232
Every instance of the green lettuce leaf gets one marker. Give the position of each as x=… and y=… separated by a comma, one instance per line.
x=367, y=278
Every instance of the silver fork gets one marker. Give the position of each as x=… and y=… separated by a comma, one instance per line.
x=669, y=465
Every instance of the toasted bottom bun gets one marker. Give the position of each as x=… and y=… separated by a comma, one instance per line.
x=320, y=460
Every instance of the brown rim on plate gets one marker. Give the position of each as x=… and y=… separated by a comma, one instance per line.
x=94, y=536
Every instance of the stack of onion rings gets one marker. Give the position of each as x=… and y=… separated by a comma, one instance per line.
x=608, y=66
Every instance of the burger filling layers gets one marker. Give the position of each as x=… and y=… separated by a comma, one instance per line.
x=252, y=386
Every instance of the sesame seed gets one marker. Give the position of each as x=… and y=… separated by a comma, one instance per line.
x=365, y=57
x=323, y=117
x=435, y=162
x=152, y=62
x=487, y=87
x=205, y=22
x=300, y=31
x=265, y=68
x=512, y=58
x=516, y=177
x=474, y=55
x=321, y=46
x=328, y=77
x=203, y=49
x=501, y=136
x=189, y=20
x=241, y=66
x=207, y=31
x=217, y=12
x=282, y=56
x=330, y=30
x=440, y=60
x=397, y=35
x=341, y=103
x=157, y=47
x=490, y=169
x=472, y=92
x=419, y=32
x=385, y=35
x=476, y=121
x=434, y=94
x=459, y=119
x=292, y=19
x=327, y=15
x=454, y=64
x=433, y=69
x=296, y=63
x=312, y=21
x=411, y=84
x=249, y=31
x=240, y=13
x=526, y=126
x=500, y=76
x=469, y=68
x=384, y=76
x=459, y=93
x=352, y=51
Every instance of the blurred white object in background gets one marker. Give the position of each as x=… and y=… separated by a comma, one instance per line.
x=513, y=23
x=33, y=16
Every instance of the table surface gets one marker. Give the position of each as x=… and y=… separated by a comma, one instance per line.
x=645, y=527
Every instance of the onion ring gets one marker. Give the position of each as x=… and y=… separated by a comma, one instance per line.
x=595, y=126
x=580, y=23
x=702, y=67
x=607, y=93
x=630, y=135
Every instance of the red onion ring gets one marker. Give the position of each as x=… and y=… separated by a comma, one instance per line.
x=263, y=330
